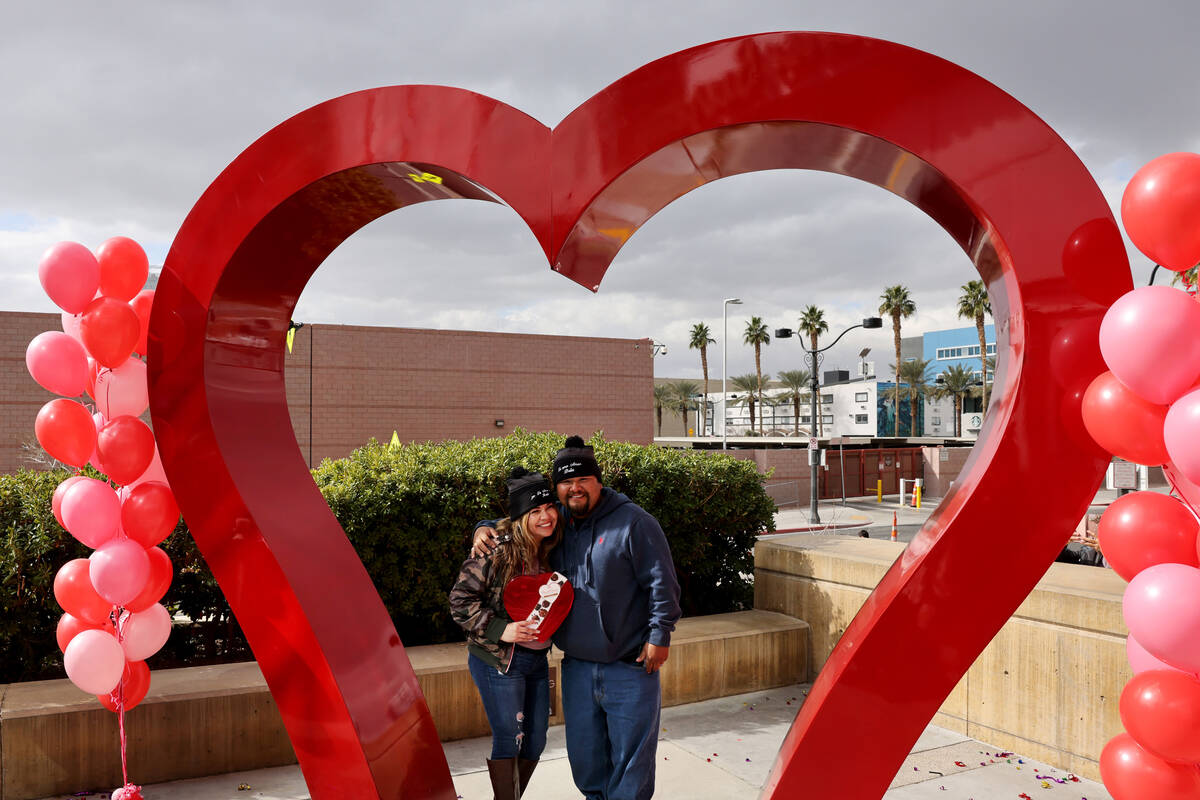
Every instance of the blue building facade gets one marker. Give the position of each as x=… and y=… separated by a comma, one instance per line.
x=956, y=346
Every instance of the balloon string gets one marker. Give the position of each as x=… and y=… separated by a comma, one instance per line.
x=121, y=705
x=1175, y=489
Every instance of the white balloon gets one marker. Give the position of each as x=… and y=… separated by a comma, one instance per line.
x=94, y=661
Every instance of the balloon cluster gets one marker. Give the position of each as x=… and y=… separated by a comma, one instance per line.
x=1146, y=409
x=113, y=618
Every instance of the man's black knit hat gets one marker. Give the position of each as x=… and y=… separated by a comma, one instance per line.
x=526, y=491
x=575, y=460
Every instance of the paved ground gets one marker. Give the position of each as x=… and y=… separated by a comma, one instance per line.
x=716, y=750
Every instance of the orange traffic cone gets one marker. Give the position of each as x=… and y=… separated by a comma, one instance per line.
x=893, y=526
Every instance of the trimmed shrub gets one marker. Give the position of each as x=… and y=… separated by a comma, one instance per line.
x=409, y=512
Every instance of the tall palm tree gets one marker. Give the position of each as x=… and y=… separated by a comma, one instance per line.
x=682, y=394
x=700, y=341
x=749, y=385
x=662, y=399
x=973, y=304
x=955, y=381
x=896, y=304
x=795, y=382
x=813, y=324
x=915, y=374
x=757, y=336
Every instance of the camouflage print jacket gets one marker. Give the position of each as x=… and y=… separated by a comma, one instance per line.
x=477, y=605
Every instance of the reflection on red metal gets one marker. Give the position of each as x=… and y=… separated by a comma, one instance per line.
x=995, y=177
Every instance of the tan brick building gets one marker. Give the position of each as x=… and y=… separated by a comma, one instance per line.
x=347, y=384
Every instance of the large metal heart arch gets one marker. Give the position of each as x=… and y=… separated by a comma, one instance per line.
x=992, y=174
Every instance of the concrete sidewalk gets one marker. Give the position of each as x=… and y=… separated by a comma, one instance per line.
x=715, y=750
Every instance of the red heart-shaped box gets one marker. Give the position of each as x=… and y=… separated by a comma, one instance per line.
x=524, y=595
x=1001, y=183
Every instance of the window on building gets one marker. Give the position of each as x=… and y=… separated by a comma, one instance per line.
x=826, y=398
x=936, y=420
x=806, y=420
x=827, y=419
x=860, y=397
x=860, y=419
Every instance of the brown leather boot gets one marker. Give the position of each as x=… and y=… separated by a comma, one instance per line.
x=505, y=779
x=525, y=768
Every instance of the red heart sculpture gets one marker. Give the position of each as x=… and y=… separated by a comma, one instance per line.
x=984, y=167
x=530, y=597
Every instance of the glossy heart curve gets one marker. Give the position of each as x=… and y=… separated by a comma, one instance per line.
x=983, y=166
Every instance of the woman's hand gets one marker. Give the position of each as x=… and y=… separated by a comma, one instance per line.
x=517, y=632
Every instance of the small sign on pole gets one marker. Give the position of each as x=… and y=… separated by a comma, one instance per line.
x=812, y=443
x=1124, y=475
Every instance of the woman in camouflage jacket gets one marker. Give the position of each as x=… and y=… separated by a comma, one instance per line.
x=508, y=664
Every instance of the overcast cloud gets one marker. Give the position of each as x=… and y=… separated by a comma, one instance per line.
x=116, y=117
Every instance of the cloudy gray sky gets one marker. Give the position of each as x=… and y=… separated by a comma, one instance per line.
x=114, y=118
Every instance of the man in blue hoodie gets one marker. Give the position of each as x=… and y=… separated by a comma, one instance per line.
x=618, y=634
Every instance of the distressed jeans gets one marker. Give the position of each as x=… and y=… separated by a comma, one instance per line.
x=612, y=714
x=517, y=703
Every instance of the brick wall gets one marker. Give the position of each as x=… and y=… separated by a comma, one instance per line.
x=425, y=385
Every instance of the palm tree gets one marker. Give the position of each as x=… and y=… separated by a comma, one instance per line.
x=973, y=304
x=749, y=385
x=662, y=398
x=896, y=304
x=682, y=395
x=812, y=323
x=700, y=341
x=955, y=381
x=915, y=373
x=795, y=381
x=756, y=335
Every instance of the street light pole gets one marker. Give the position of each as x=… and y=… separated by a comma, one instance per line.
x=729, y=301
x=812, y=357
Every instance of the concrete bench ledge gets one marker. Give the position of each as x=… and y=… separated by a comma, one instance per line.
x=211, y=720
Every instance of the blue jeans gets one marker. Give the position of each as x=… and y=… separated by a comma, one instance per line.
x=517, y=703
x=612, y=719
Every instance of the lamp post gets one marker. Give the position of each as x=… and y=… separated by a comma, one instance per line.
x=729, y=301
x=812, y=358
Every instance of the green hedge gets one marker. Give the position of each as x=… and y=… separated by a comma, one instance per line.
x=408, y=512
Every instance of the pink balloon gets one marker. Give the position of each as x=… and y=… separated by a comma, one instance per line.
x=1161, y=612
x=1161, y=210
x=154, y=472
x=1149, y=339
x=99, y=421
x=122, y=391
x=91, y=511
x=119, y=570
x=58, y=363
x=1181, y=432
x=94, y=661
x=70, y=326
x=70, y=275
x=1140, y=659
x=57, y=498
x=143, y=633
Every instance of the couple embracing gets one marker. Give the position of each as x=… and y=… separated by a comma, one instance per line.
x=624, y=602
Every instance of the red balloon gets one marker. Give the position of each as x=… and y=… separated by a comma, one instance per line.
x=64, y=428
x=135, y=682
x=59, y=493
x=1161, y=210
x=157, y=584
x=1142, y=529
x=141, y=306
x=74, y=592
x=123, y=268
x=109, y=330
x=93, y=368
x=149, y=513
x=1123, y=423
x=1131, y=773
x=69, y=627
x=1160, y=709
x=124, y=448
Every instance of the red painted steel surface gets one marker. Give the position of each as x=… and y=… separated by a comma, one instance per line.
x=1000, y=182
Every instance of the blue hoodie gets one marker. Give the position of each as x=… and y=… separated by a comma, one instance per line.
x=626, y=592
